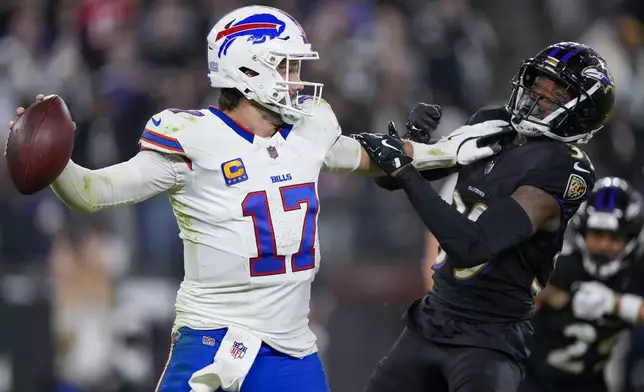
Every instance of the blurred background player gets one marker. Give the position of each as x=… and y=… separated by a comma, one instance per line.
x=242, y=181
x=593, y=295
x=504, y=229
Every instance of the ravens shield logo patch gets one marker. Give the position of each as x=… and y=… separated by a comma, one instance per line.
x=576, y=187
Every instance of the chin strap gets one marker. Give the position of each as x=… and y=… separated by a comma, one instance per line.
x=270, y=114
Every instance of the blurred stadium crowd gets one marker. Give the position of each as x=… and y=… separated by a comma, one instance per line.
x=87, y=301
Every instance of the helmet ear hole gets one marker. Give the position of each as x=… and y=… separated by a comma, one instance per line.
x=248, y=72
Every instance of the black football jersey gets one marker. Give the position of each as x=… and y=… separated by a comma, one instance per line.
x=502, y=290
x=567, y=348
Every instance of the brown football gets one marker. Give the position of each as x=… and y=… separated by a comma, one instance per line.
x=40, y=145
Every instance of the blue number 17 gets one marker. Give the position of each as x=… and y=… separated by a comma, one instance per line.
x=268, y=262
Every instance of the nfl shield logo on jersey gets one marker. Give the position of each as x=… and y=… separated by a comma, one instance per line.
x=272, y=152
x=238, y=350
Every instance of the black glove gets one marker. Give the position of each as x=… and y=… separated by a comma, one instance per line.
x=422, y=121
x=387, y=151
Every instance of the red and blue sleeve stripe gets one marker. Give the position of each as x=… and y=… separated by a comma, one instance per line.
x=164, y=142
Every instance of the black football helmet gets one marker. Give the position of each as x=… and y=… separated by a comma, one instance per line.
x=586, y=78
x=613, y=206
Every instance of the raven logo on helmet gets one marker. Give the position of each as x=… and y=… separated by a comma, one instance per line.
x=601, y=76
x=258, y=28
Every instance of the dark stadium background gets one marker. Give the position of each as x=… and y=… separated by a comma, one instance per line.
x=86, y=301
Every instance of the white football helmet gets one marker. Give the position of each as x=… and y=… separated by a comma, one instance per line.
x=244, y=49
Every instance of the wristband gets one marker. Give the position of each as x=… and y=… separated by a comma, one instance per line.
x=629, y=308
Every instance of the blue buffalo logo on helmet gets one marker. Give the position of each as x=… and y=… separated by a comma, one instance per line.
x=256, y=28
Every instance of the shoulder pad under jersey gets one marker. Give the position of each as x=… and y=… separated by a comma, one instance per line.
x=562, y=170
x=323, y=126
x=163, y=130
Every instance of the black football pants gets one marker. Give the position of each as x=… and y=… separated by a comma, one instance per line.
x=415, y=364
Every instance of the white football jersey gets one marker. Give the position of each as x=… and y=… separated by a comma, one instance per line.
x=247, y=210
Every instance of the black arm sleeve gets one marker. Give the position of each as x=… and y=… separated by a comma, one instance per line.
x=567, y=270
x=390, y=183
x=502, y=226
